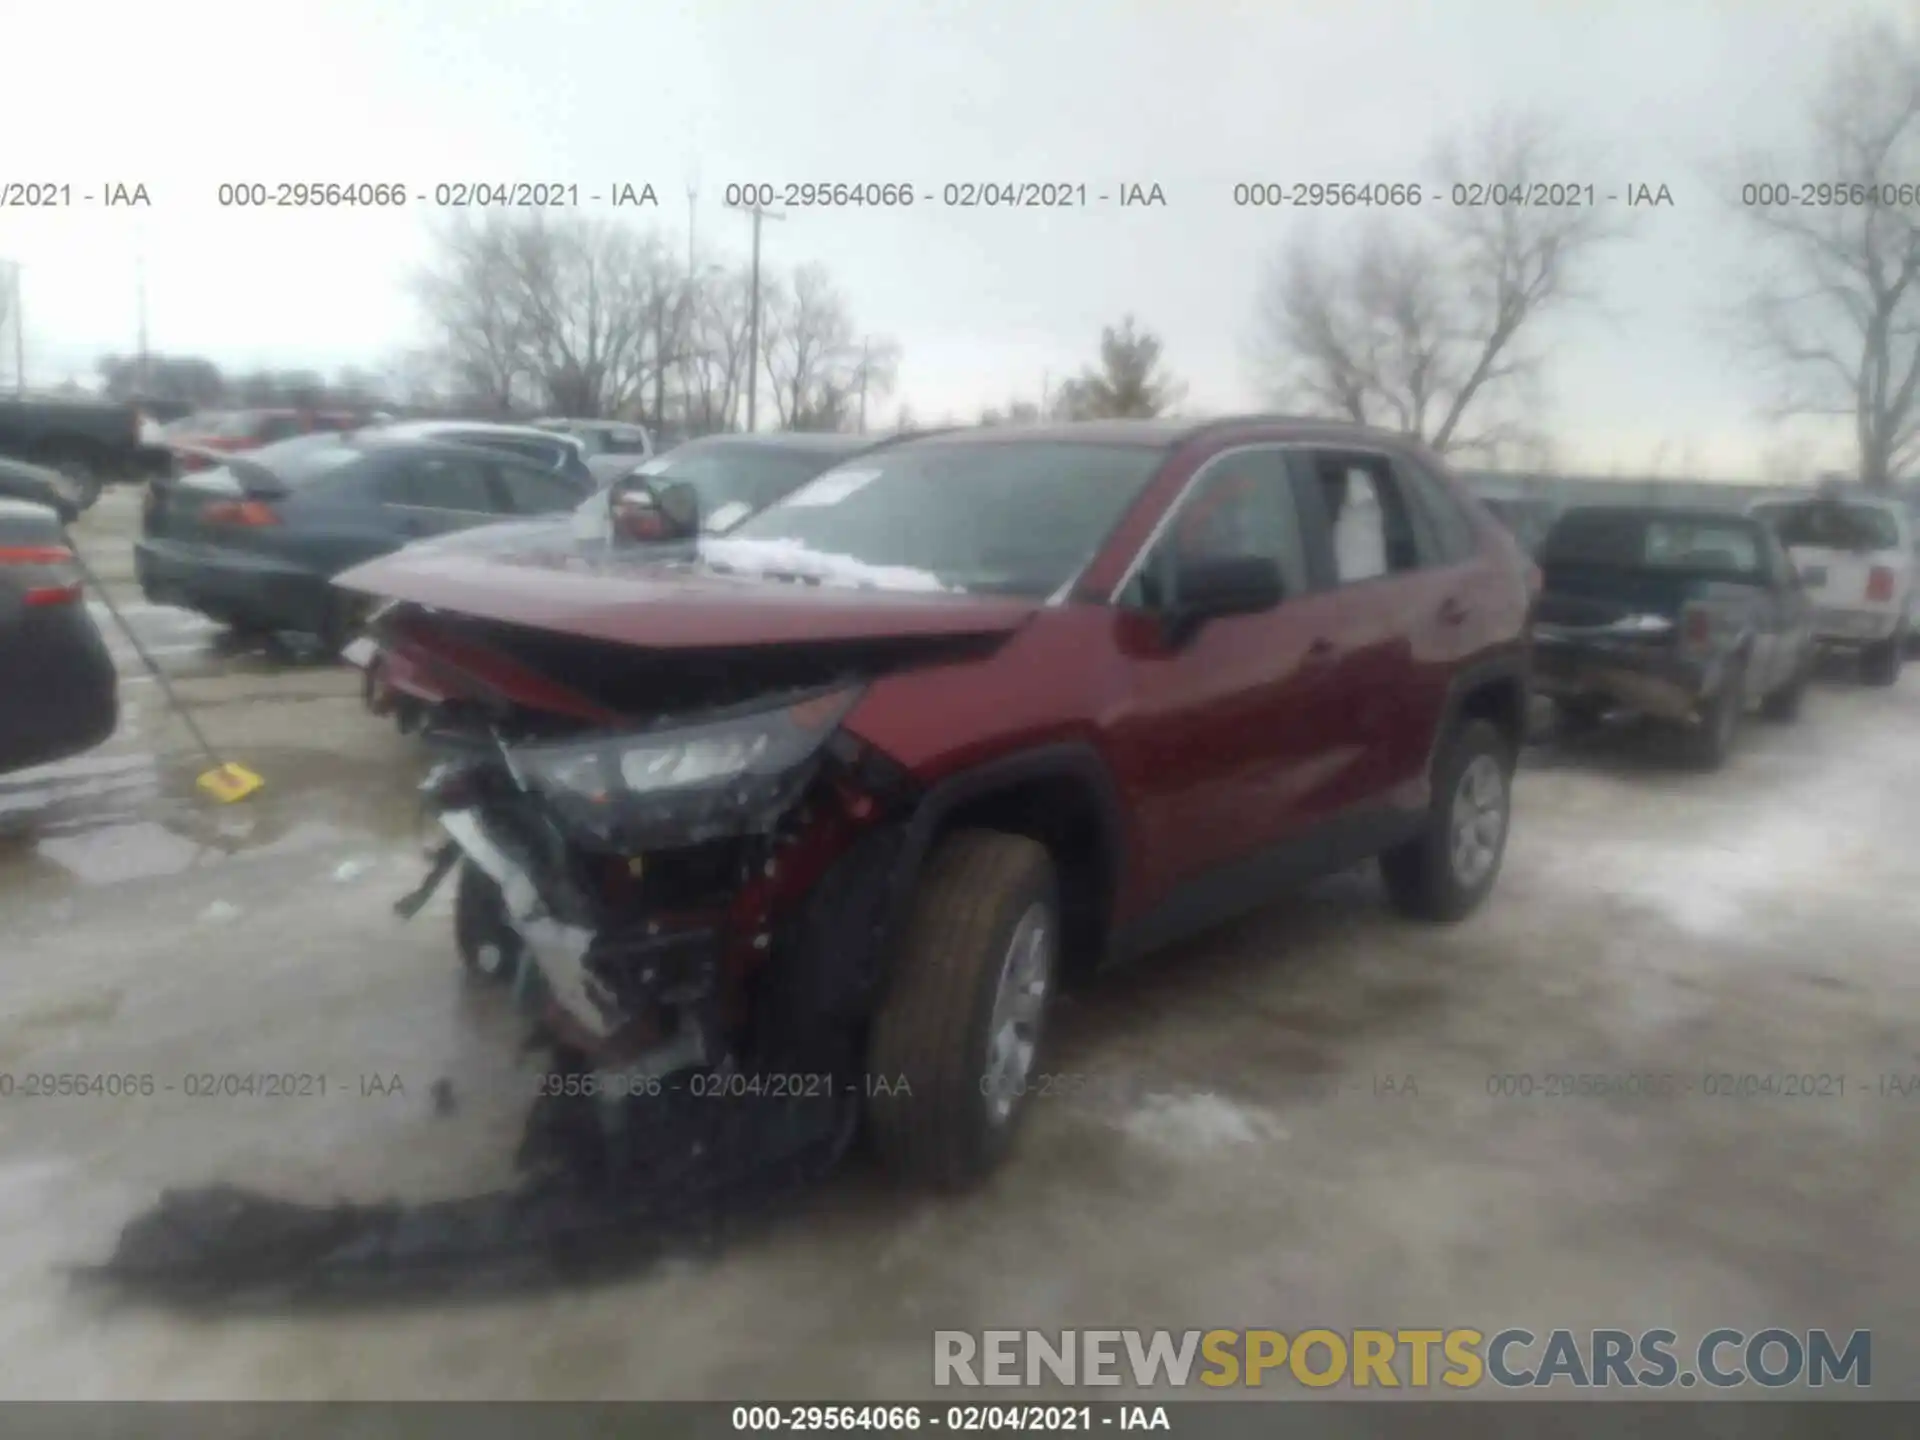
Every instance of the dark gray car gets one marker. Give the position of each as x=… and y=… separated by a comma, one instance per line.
x=254, y=543
x=58, y=693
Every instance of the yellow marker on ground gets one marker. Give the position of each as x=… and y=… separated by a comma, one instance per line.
x=229, y=782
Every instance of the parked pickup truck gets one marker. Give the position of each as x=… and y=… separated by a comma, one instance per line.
x=88, y=441
x=1684, y=616
x=1855, y=555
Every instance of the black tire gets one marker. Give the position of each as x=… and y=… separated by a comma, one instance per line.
x=1422, y=876
x=1880, y=664
x=934, y=1023
x=345, y=617
x=1708, y=744
x=489, y=946
x=1784, y=704
x=84, y=478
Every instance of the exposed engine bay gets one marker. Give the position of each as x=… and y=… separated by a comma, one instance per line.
x=692, y=900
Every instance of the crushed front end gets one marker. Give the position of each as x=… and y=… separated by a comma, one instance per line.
x=693, y=899
x=696, y=899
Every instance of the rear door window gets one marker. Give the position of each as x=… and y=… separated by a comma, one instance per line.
x=1447, y=533
x=1370, y=527
x=530, y=490
x=540, y=452
x=439, y=482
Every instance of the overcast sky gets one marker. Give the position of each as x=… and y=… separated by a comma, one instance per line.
x=1191, y=95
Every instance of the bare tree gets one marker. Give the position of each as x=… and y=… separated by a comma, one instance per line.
x=1017, y=412
x=588, y=292
x=1129, y=382
x=876, y=370
x=811, y=357
x=560, y=314
x=590, y=318
x=1833, y=310
x=189, y=379
x=471, y=301
x=713, y=363
x=1417, y=325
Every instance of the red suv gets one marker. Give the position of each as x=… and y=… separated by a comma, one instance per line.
x=823, y=819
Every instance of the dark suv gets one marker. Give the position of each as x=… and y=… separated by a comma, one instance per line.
x=824, y=818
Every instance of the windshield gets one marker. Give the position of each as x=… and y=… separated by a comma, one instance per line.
x=1833, y=525
x=1017, y=518
x=304, y=458
x=1625, y=541
x=614, y=442
x=734, y=481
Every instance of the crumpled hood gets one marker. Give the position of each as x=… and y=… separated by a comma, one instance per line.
x=659, y=603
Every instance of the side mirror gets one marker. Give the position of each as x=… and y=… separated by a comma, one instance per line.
x=1208, y=589
x=646, y=512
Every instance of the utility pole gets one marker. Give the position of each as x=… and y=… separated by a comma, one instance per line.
x=140, y=301
x=693, y=194
x=866, y=352
x=19, y=336
x=759, y=213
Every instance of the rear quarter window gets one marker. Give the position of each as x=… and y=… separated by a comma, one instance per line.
x=1445, y=527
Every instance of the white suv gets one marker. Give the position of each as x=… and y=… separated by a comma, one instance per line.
x=1855, y=555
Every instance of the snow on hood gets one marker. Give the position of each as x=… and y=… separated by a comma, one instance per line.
x=765, y=557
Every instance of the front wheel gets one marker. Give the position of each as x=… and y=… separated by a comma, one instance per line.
x=345, y=619
x=953, y=1045
x=1446, y=870
x=490, y=948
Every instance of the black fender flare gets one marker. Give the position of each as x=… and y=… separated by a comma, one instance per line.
x=1513, y=666
x=1069, y=759
x=896, y=855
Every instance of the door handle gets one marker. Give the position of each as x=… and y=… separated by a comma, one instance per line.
x=1452, y=611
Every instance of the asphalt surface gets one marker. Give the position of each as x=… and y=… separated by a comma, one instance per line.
x=1289, y=1125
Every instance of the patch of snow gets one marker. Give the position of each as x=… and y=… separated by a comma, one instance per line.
x=1710, y=887
x=757, y=556
x=220, y=912
x=1200, y=1124
x=350, y=870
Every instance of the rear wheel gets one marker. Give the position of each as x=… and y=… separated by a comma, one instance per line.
x=84, y=480
x=1708, y=744
x=1880, y=664
x=1446, y=870
x=1784, y=703
x=953, y=1045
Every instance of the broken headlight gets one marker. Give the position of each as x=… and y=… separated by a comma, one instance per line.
x=732, y=773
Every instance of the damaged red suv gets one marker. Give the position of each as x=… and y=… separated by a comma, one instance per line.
x=822, y=820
